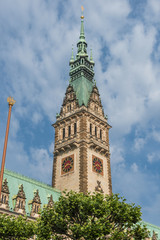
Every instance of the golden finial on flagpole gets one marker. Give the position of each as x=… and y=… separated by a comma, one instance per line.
x=82, y=8
x=11, y=101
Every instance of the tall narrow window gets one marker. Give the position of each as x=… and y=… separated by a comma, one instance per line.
x=100, y=134
x=69, y=131
x=75, y=128
x=90, y=128
x=96, y=131
x=63, y=133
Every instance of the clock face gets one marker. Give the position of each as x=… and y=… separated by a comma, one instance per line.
x=67, y=164
x=97, y=164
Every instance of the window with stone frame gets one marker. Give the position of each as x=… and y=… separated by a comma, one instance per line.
x=90, y=128
x=100, y=134
x=4, y=203
x=20, y=201
x=95, y=131
x=75, y=128
x=63, y=133
x=50, y=201
x=69, y=131
x=36, y=205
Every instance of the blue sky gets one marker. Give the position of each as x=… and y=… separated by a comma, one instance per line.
x=35, y=48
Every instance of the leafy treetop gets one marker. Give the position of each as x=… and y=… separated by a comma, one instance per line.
x=91, y=217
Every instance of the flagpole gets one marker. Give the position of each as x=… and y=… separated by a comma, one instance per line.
x=11, y=102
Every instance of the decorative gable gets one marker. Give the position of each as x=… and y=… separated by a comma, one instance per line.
x=94, y=103
x=5, y=195
x=36, y=204
x=70, y=102
x=154, y=237
x=20, y=201
x=50, y=202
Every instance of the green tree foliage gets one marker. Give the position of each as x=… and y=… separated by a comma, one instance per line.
x=16, y=227
x=91, y=217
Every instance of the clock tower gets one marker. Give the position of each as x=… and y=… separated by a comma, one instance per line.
x=81, y=152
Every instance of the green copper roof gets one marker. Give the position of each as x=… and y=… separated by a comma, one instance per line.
x=29, y=186
x=83, y=89
x=82, y=70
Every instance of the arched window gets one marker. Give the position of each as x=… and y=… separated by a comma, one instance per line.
x=63, y=133
x=100, y=134
x=96, y=131
x=75, y=128
x=69, y=131
x=90, y=128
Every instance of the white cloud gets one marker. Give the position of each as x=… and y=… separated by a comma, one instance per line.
x=139, y=144
x=153, y=157
x=41, y=164
x=134, y=167
x=156, y=135
x=117, y=152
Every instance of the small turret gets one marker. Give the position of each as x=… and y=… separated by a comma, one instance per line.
x=72, y=56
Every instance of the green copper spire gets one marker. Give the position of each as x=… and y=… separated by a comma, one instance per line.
x=82, y=35
x=82, y=70
x=82, y=45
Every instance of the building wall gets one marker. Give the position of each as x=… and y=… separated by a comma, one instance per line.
x=68, y=181
x=93, y=177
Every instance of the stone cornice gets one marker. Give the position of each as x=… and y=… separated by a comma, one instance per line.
x=82, y=110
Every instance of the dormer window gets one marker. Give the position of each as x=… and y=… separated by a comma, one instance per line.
x=50, y=201
x=20, y=201
x=3, y=199
x=4, y=203
x=36, y=204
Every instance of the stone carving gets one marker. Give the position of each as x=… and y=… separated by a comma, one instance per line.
x=36, y=198
x=20, y=201
x=4, y=203
x=98, y=188
x=50, y=202
x=36, y=204
x=154, y=237
x=5, y=188
x=21, y=192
